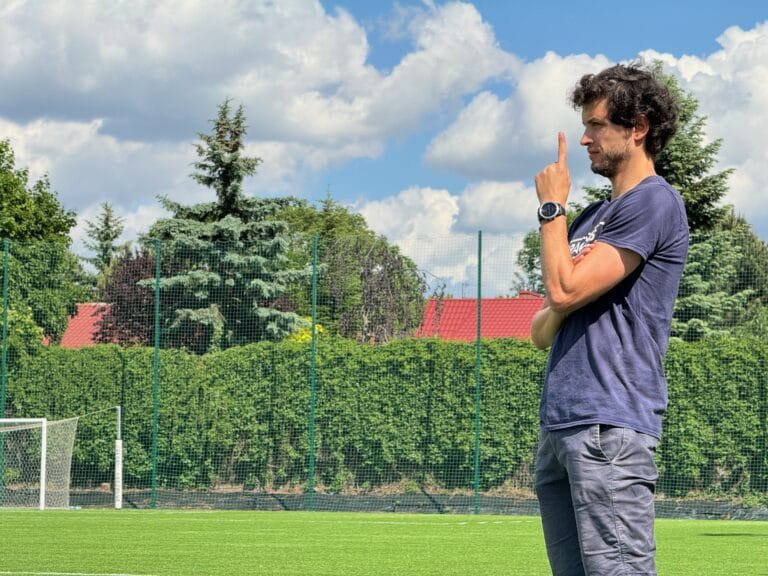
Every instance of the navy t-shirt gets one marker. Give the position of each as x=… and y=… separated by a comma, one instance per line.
x=606, y=362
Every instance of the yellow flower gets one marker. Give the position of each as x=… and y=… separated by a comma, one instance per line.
x=304, y=331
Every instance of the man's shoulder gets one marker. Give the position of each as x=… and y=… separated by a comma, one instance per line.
x=657, y=185
x=655, y=197
x=646, y=219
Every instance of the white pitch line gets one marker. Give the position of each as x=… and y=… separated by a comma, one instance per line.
x=417, y=523
x=26, y=573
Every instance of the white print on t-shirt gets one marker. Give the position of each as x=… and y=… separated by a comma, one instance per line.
x=578, y=244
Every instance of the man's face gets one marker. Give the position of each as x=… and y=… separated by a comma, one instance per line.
x=608, y=144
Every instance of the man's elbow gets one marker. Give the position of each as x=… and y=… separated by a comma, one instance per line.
x=539, y=342
x=561, y=301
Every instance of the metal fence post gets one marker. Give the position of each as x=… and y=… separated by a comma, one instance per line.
x=478, y=383
x=4, y=358
x=312, y=381
x=4, y=365
x=156, y=378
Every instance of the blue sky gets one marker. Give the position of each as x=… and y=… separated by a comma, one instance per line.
x=430, y=118
x=620, y=30
x=530, y=30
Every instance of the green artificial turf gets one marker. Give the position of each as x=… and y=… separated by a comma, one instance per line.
x=196, y=543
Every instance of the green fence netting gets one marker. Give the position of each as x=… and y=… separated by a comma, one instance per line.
x=344, y=374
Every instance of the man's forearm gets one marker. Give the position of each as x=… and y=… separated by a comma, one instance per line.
x=556, y=263
x=546, y=323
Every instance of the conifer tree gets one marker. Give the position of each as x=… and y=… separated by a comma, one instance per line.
x=725, y=284
x=226, y=261
x=103, y=233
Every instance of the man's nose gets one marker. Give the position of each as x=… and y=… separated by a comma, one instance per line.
x=585, y=140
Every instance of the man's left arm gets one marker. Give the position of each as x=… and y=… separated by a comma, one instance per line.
x=547, y=321
x=569, y=286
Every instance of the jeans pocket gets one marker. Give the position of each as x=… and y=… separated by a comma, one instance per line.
x=610, y=440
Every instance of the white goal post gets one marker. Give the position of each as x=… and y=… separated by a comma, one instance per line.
x=119, y=460
x=36, y=460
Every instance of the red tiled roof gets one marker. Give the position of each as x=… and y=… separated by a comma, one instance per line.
x=84, y=325
x=456, y=318
x=449, y=319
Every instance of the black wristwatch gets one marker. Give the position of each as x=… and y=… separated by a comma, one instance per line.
x=550, y=210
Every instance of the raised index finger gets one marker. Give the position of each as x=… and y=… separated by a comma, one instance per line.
x=562, y=148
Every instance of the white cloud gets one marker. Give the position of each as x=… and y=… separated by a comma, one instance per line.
x=421, y=222
x=510, y=139
x=456, y=53
x=513, y=138
x=731, y=87
x=89, y=165
x=300, y=71
x=108, y=100
x=138, y=80
x=474, y=142
x=413, y=212
x=41, y=143
x=498, y=207
x=435, y=229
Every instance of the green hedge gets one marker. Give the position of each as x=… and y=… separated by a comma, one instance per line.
x=402, y=412
x=716, y=427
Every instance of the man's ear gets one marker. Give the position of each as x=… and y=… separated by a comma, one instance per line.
x=642, y=126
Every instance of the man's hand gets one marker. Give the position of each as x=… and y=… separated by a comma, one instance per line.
x=554, y=182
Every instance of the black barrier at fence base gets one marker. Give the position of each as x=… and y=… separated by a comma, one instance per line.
x=419, y=503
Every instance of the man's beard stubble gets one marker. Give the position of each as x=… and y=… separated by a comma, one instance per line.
x=609, y=165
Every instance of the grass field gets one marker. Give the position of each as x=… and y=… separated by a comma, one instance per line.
x=197, y=543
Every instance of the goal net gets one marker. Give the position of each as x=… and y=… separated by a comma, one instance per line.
x=35, y=462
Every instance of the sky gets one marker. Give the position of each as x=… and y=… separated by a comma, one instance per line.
x=429, y=118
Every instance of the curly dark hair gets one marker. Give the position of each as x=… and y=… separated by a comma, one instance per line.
x=632, y=91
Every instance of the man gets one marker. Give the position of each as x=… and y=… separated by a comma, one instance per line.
x=611, y=281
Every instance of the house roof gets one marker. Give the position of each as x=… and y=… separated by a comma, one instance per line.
x=456, y=318
x=449, y=319
x=83, y=327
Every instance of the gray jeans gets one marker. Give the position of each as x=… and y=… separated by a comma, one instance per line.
x=595, y=486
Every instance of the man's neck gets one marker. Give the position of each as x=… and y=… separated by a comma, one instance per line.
x=631, y=175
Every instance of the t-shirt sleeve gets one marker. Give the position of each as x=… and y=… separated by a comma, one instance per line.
x=638, y=221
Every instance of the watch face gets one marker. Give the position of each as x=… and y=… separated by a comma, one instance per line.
x=548, y=209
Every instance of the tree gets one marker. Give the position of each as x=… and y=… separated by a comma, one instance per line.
x=529, y=262
x=687, y=163
x=129, y=319
x=222, y=165
x=25, y=337
x=225, y=266
x=44, y=276
x=725, y=282
x=103, y=232
x=48, y=278
x=367, y=289
x=29, y=212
